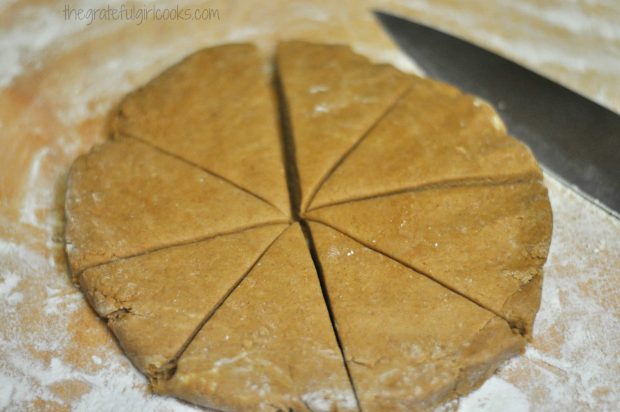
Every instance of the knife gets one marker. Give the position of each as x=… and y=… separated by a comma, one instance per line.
x=574, y=138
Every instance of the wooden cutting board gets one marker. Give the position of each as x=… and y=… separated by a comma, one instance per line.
x=59, y=79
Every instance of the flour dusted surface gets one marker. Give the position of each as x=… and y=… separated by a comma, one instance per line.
x=55, y=353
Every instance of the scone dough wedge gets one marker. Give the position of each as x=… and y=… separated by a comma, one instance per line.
x=155, y=303
x=214, y=108
x=410, y=343
x=271, y=345
x=331, y=97
x=434, y=134
x=125, y=198
x=487, y=242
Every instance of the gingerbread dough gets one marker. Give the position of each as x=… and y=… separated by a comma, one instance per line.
x=487, y=242
x=271, y=346
x=398, y=266
x=155, y=302
x=181, y=111
x=409, y=342
x=332, y=96
x=125, y=198
x=435, y=134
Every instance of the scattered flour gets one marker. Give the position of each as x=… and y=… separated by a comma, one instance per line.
x=320, y=109
x=8, y=281
x=390, y=56
x=323, y=400
x=33, y=199
x=573, y=363
x=486, y=398
x=24, y=377
x=318, y=88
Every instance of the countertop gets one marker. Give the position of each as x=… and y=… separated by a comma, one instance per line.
x=60, y=77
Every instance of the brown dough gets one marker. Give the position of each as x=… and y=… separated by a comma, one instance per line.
x=181, y=111
x=434, y=134
x=126, y=198
x=424, y=272
x=409, y=342
x=153, y=303
x=271, y=345
x=333, y=96
x=485, y=242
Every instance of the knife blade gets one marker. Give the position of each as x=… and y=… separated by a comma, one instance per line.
x=573, y=137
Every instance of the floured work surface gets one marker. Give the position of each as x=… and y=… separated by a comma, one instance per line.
x=60, y=84
x=406, y=268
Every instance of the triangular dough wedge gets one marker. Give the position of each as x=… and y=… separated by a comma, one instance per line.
x=155, y=302
x=410, y=343
x=214, y=108
x=270, y=346
x=332, y=96
x=126, y=198
x=489, y=243
x=434, y=134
